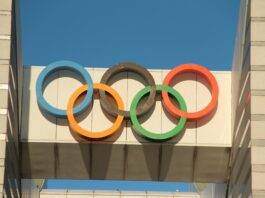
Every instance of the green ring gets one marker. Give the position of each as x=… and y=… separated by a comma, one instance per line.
x=150, y=135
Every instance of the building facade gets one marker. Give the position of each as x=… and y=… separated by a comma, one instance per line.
x=222, y=154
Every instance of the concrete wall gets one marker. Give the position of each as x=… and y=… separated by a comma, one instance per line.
x=10, y=90
x=257, y=86
x=247, y=159
x=5, y=40
x=240, y=177
x=206, y=150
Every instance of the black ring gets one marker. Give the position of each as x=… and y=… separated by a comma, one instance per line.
x=122, y=67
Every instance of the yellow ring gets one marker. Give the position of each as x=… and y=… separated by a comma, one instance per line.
x=101, y=134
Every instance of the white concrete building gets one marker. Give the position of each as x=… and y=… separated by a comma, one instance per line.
x=223, y=152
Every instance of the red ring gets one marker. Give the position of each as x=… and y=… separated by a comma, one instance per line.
x=194, y=68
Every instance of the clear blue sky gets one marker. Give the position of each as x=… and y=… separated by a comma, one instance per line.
x=153, y=33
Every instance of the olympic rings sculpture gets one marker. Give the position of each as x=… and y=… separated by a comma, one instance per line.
x=135, y=110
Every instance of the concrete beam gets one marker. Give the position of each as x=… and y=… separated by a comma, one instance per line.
x=157, y=162
x=199, y=154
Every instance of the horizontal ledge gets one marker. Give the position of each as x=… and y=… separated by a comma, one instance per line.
x=119, y=193
x=257, y=43
x=257, y=117
x=257, y=19
x=3, y=111
x=4, y=86
x=257, y=67
x=258, y=92
x=5, y=12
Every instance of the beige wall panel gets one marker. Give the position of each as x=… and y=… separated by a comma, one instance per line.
x=257, y=129
x=256, y=194
x=207, y=133
x=4, y=62
x=258, y=79
x=2, y=152
x=4, y=98
x=185, y=84
x=160, y=194
x=68, y=83
x=53, y=193
x=4, y=74
x=106, y=194
x=2, y=148
x=257, y=31
x=43, y=126
x=2, y=171
x=79, y=194
x=6, y=5
x=258, y=181
x=130, y=194
x=257, y=55
x=3, y=123
x=4, y=48
x=257, y=155
x=257, y=105
x=257, y=8
x=5, y=21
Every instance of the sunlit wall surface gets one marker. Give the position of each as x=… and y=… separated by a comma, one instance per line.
x=248, y=98
x=239, y=184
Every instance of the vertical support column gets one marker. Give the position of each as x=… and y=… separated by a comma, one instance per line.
x=257, y=85
x=10, y=92
x=5, y=48
x=240, y=176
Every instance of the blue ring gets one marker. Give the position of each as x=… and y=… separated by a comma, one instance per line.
x=63, y=65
